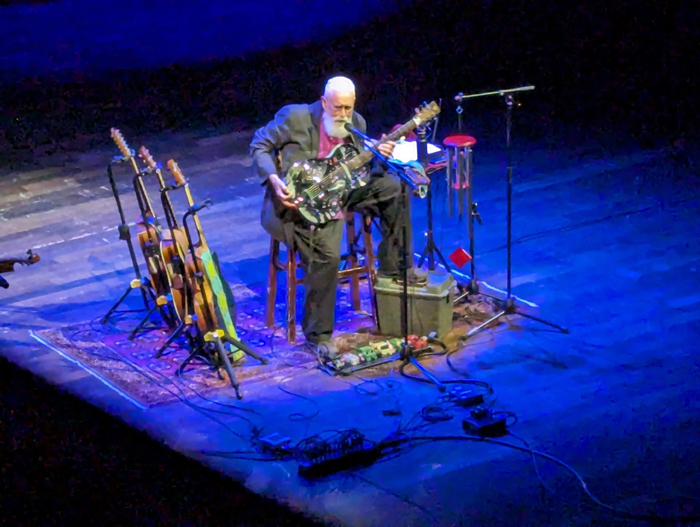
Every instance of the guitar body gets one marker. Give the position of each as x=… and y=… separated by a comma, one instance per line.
x=320, y=186
x=149, y=242
x=212, y=297
x=174, y=253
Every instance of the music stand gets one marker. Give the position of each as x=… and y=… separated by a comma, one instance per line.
x=508, y=305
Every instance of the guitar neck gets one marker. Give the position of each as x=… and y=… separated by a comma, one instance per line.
x=167, y=203
x=366, y=156
x=143, y=199
x=195, y=217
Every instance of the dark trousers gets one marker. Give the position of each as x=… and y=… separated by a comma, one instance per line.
x=319, y=248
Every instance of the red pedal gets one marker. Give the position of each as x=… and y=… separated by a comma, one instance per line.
x=460, y=257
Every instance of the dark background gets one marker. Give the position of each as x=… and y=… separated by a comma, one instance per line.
x=615, y=71
x=624, y=69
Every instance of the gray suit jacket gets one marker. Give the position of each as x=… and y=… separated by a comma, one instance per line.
x=294, y=135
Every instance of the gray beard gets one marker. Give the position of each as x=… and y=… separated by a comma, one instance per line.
x=335, y=127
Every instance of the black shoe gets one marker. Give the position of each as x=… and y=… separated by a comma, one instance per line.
x=324, y=350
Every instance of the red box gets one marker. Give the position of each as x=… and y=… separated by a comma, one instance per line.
x=460, y=257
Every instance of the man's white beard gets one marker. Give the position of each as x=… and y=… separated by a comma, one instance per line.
x=335, y=127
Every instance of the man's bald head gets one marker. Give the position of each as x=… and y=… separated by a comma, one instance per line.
x=338, y=102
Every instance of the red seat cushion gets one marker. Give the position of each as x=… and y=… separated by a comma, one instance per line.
x=459, y=141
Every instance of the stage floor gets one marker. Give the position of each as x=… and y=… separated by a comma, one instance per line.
x=605, y=244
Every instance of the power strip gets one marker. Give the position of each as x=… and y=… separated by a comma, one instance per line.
x=338, y=461
x=324, y=458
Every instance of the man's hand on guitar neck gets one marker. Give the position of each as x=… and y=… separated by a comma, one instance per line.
x=281, y=191
x=386, y=148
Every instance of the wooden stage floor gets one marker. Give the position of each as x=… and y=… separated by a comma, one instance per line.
x=606, y=244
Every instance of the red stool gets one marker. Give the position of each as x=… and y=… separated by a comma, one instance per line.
x=458, y=155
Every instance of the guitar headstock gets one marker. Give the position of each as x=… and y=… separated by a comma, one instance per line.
x=121, y=144
x=33, y=258
x=148, y=159
x=6, y=266
x=427, y=112
x=177, y=173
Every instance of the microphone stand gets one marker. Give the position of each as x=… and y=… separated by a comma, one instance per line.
x=509, y=307
x=407, y=353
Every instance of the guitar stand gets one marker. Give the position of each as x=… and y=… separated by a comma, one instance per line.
x=203, y=352
x=147, y=292
x=182, y=326
x=244, y=348
x=217, y=357
x=159, y=304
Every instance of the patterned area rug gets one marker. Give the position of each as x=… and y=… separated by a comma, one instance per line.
x=132, y=369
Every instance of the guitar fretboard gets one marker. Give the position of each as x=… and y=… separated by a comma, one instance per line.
x=365, y=157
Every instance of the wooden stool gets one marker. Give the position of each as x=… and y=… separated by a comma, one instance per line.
x=350, y=269
x=459, y=170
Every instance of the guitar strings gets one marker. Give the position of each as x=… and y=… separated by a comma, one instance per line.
x=314, y=190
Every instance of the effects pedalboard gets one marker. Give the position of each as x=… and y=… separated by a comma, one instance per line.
x=373, y=354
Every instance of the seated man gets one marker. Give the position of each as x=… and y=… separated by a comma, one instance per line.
x=308, y=131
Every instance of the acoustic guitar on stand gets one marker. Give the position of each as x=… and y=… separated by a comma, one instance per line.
x=148, y=228
x=211, y=301
x=174, y=245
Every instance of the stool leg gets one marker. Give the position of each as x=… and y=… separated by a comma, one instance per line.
x=369, y=262
x=291, y=295
x=272, y=283
x=352, y=261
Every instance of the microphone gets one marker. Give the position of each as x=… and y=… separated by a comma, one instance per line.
x=350, y=128
x=369, y=142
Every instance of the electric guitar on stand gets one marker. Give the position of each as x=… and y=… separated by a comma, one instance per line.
x=214, y=305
